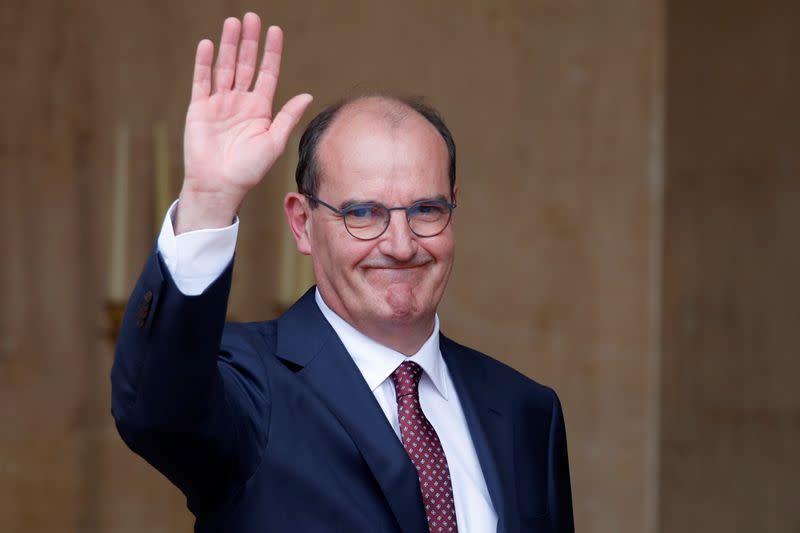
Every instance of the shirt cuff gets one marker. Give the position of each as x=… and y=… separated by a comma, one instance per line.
x=195, y=259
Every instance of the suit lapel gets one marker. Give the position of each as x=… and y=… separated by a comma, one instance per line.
x=307, y=340
x=490, y=426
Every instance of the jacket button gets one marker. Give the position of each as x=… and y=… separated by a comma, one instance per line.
x=148, y=296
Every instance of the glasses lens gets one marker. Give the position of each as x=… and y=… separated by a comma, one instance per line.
x=365, y=221
x=428, y=218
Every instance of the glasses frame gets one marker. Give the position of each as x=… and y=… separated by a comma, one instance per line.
x=343, y=214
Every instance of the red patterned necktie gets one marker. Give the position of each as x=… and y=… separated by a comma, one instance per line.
x=425, y=450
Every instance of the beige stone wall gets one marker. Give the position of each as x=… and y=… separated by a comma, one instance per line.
x=731, y=398
x=564, y=234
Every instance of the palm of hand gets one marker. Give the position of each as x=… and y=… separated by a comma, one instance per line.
x=228, y=144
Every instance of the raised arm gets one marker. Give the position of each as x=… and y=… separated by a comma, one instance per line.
x=232, y=138
x=192, y=403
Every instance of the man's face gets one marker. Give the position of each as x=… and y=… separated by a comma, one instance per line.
x=397, y=279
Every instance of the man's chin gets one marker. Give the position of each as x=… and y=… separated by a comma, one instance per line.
x=401, y=301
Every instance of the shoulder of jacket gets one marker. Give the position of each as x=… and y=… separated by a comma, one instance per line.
x=516, y=382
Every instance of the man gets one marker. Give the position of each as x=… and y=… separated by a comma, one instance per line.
x=350, y=412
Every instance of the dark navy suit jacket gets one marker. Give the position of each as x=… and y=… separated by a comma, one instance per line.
x=270, y=427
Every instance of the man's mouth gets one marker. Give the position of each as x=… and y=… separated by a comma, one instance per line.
x=397, y=271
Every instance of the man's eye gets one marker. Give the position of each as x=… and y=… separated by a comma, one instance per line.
x=428, y=209
x=363, y=211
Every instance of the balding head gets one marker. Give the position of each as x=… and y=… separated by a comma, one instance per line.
x=390, y=111
x=384, y=112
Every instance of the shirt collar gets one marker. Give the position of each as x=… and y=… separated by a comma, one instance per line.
x=377, y=362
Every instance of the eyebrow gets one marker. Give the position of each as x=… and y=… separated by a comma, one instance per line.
x=352, y=202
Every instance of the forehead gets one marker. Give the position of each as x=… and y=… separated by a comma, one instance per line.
x=382, y=150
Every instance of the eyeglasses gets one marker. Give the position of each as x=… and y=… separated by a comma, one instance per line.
x=369, y=220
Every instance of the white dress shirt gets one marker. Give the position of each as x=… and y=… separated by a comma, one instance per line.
x=195, y=259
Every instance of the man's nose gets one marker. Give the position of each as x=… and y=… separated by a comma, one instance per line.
x=398, y=241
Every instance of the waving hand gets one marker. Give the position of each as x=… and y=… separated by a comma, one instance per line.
x=232, y=138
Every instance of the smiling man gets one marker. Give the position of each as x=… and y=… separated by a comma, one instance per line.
x=351, y=412
x=384, y=272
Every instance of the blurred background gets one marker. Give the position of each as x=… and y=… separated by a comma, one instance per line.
x=629, y=178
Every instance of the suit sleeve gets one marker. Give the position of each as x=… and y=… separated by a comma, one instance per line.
x=176, y=402
x=559, y=490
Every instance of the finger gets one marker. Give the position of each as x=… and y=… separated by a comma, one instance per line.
x=248, y=51
x=225, y=68
x=270, y=66
x=288, y=117
x=201, y=79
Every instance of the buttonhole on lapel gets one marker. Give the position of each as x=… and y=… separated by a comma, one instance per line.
x=294, y=367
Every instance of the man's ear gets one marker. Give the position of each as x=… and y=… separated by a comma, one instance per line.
x=298, y=214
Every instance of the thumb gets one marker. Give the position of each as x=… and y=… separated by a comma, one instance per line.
x=288, y=117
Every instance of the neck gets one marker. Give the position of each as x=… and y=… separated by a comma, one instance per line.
x=404, y=338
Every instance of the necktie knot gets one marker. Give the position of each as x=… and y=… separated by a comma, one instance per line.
x=406, y=378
